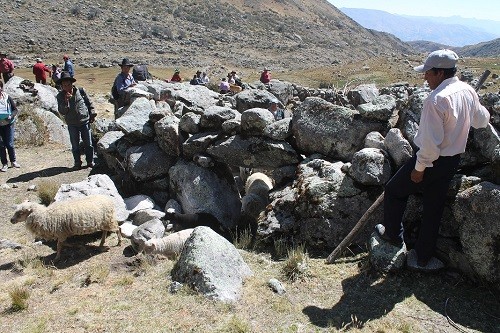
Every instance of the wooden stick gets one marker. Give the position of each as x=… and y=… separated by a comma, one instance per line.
x=354, y=232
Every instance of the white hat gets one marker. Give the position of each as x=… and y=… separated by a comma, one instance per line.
x=38, y=59
x=438, y=59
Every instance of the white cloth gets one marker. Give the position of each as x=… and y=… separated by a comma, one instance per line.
x=4, y=106
x=448, y=113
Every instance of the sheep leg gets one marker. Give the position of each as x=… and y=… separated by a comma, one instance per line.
x=60, y=244
x=103, y=238
x=118, y=233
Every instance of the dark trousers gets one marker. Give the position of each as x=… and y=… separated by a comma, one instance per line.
x=434, y=187
x=7, y=142
x=7, y=76
x=74, y=136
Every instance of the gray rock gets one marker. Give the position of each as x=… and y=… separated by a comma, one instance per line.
x=148, y=162
x=398, y=147
x=212, y=266
x=146, y=231
x=385, y=257
x=370, y=166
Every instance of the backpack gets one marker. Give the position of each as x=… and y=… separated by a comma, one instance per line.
x=141, y=73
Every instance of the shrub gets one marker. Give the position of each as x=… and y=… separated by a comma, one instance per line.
x=93, y=13
x=19, y=296
x=47, y=190
x=296, y=264
x=76, y=10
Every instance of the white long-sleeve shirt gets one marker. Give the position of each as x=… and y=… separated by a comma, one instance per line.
x=448, y=113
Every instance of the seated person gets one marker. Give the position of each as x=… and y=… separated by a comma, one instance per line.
x=265, y=76
x=204, y=78
x=224, y=86
x=230, y=78
x=195, y=81
x=176, y=77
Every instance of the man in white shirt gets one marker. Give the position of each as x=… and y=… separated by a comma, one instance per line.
x=447, y=115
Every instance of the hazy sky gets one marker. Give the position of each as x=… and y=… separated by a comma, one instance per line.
x=480, y=9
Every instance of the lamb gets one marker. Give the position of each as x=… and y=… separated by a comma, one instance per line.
x=63, y=219
x=256, y=197
x=169, y=246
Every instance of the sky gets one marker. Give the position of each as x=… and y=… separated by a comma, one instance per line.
x=479, y=9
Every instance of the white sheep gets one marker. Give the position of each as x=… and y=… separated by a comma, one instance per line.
x=169, y=246
x=63, y=219
x=256, y=197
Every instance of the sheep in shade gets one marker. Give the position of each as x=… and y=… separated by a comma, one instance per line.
x=256, y=197
x=169, y=246
x=63, y=219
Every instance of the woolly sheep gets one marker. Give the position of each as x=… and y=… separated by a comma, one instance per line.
x=169, y=246
x=63, y=219
x=256, y=198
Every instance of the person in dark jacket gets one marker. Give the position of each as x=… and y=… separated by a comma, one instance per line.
x=78, y=111
x=68, y=66
x=8, y=112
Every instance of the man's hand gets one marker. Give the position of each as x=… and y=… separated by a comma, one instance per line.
x=417, y=176
x=67, y=96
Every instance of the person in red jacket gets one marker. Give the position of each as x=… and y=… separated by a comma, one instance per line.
x=40, y=70
x=6, y=67
x=265, y=76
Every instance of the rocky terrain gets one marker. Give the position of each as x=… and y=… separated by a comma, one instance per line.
x=242, y=33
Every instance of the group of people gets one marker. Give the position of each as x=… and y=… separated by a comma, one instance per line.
x=448, y=113
x=41, y=71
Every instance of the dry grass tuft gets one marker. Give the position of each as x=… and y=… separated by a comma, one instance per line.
x=47, y=190
x=296, y=266
x=19, y=297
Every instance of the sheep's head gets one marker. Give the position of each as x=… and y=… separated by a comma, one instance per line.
x=149, y=246
x=23, y=210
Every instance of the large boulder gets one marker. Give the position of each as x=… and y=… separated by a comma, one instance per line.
x=477, y=210
x=212, y=266
x=331, y=130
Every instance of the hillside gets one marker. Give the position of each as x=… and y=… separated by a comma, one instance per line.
x=486, y=49
x=196, y=33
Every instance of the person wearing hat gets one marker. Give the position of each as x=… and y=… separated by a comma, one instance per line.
x=123, y=81
x=448, y=112
x=68, y=66
x=6, y=67
x=8, y=112
x=275, y=109
x=40, y=70
x=265, y=76
x=78, y=111
x=176, y=77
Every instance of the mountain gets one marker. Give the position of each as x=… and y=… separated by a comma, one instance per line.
x=486, y=49
x=411, y=28
x=244, y=33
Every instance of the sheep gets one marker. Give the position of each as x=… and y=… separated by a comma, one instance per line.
x=256, y=199
x=184, y=221
x=63, y=219
x=169, y=246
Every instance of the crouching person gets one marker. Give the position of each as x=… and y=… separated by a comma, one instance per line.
x=74, y=104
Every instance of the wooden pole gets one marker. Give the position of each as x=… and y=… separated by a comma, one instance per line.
x=354, y=232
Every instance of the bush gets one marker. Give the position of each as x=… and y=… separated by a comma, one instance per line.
x=93, y=13
x=19, y=297
x=47, y=190
x=296, y=264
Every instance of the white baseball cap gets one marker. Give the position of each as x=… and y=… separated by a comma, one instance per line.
x=438, y=59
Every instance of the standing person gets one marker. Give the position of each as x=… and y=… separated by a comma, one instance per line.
x=447, y=115
x=78, y=112
x=6, y=67
x=265, y=76
x=56, y=75
x=40, y=70
x=123, y=81
x=8, y=112
x=68, y=66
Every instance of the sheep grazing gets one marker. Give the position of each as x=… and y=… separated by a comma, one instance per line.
x=169, y=246
x=63, y=219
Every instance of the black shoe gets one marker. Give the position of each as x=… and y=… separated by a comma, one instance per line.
x=380, y=230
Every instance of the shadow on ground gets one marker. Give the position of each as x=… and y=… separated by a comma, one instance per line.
x=367, y=298
x=49, y=172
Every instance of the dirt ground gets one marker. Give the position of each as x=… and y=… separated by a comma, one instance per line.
x=115, y=291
